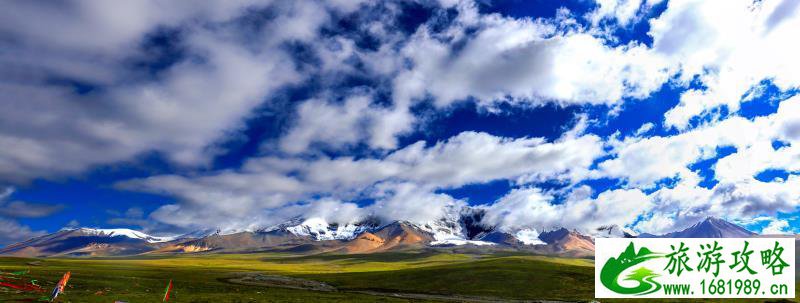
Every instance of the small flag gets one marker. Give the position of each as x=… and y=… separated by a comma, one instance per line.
x=60, y=287
x=166, y=292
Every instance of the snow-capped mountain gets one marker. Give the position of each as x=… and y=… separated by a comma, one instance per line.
x=87, y=242
x=123, y=232
x=459, y=226
x=453, y=228
x=712, y=227
x=320, y=230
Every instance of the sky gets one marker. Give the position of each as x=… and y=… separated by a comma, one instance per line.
x=174, y=116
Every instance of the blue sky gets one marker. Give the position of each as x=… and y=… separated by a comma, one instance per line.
x=169, y=117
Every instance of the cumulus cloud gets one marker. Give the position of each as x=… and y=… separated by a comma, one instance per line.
x=685, y=204
x=645, y=161
x=493, y=58
x=409, y=202
x=623, y=12
x=402, y=182
x=642, y=160
x=777, y=227
x=488, y=58
x=88, y=65
x=729, y=53
x=314, y=124
x=84, y=84
x=527, y=60
x=534, y=208
x=478, y=157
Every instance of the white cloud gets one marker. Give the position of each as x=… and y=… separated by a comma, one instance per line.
x=685, y=204
x=541, y=61
x=466, y=158
x=51, y=130
x=314, y=124
x=402, y=182
x=738, y=195
x=731, y=46
x=645, y=128
x=493, y=58
x=777, y=227
x=644, y=160
x=409, y=202
x=624, y=12
x=533, y=208
x=478, y=157
x=533, y=61
x=335, y=211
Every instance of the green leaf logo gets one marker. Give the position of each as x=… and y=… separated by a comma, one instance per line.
x=614, y=267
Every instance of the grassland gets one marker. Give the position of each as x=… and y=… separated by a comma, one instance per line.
x=357, y=278
x=195, y=278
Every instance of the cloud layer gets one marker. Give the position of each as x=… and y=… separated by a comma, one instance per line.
x=86, y=85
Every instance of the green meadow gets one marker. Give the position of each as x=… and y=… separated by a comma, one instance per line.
x=382, y=277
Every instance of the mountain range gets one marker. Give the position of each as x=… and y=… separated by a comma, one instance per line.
x=315, y=235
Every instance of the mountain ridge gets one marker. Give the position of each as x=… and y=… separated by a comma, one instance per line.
x=315, y=235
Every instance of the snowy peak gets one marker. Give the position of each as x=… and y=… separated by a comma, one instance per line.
x=453, y=228
x=123, y=232
x=712, y=227
x=445, y=229
x=460, y=225
x=86, y=242
x=320, y=230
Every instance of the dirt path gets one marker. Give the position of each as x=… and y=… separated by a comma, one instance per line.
x=259, y=279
